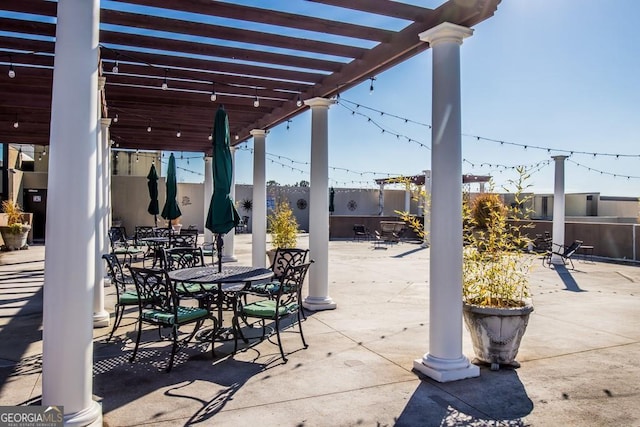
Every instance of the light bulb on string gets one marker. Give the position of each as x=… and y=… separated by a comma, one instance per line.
x=256, y=101
x=12, y=72
x=115, y=68
x=115, y=119
x=165, y=84
x=179, y=133
x=16, y=124
x=44, y=151
x=210, y=137
x=213, y=93
x=371, y=85
x=299, y=101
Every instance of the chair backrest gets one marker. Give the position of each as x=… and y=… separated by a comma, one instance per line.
x=572, y=248
x=286, y=257
x=183, y=257
x=162, y=232
x=292, y=281
x=114, y=270
x=359, y=229
x=155, y=289
x=143, y=231
x=117, y=235
x=186, y=238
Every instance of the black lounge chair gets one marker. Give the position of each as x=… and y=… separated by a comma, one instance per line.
x=564, y=252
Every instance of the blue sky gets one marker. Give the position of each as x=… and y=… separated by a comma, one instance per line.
x=558, y=75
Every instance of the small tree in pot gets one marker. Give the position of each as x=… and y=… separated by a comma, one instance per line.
x=496, y=298
x=15, y=232
x=282, y=225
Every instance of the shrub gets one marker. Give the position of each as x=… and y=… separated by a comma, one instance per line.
x=283, y=226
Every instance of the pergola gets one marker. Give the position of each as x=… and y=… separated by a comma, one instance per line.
x=265, y=66
x=202, y=47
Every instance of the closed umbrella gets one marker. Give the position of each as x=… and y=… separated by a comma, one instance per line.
x=222, y=216
x=152, y=183
x=332, y=195
x=171, y=210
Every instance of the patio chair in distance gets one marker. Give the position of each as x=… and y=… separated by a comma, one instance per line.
x=120, y=244
x=286, y=303
x=361, y=232
x=159, y=305
x=564, y=252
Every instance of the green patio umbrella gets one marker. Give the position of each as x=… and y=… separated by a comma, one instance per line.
x=332, y=195
x=171, y=210
x=222, y=216
x=152, y=183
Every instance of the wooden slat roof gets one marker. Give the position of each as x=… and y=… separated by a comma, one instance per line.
x=240, y=51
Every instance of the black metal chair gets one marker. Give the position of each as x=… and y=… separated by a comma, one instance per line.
x=186, y=238
x=361, y=232
x=121, y=245
x=142, y=232
x=286, y=302
x=159, y=305
x=564, y=252
x=126, y=295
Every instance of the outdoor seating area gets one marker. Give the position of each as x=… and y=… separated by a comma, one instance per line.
x=357, y=369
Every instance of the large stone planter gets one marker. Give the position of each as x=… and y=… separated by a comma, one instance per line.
x=14, y=241
x=496, y=332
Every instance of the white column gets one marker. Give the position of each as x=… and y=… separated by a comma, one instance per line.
x=381, y=200
x=259, y=220
x=407, y=198
x=69, y=273
x=101, y=317
x=318, y=298
x=445, y=361
x=106, y=186
x=208, y=193
x=228, y=249
x=426, y=211
x=558, y=208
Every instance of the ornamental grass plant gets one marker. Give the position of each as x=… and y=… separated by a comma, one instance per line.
x=495, y=266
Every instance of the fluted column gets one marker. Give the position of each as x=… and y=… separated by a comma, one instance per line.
x=228, y=249
x=259, y=220
x=318, y=298
x=69, y=273
x=558, y=208
x=445, y=361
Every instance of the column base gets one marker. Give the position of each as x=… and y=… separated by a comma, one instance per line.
x=319, y=303
x=101, y=319
x=91, y=416
x=107, y=282
x=446, y=370
x=556, y=259
x=229, y=258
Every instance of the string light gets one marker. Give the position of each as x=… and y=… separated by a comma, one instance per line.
x=299, y=101
x=371, y=85
x=213, y=92
x=149, y=127
x=256, y=101
x=16, y=123
x=115, y=68
x=12, y=72
x=210, y=137
x=179, y=133
x=115, y=119
x=165, y=84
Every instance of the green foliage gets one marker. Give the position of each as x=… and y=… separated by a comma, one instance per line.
x=283, y=226
x=418, y=194
x=495, y=269
x=13, y=211
x=484, y=206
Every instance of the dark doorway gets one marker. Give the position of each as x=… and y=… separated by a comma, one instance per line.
x=35, y=201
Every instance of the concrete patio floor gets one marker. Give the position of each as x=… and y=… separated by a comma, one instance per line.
x=580, y=355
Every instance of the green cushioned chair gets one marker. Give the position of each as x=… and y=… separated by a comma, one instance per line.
x=126, y=295
x=159, y=305
x=284, y=302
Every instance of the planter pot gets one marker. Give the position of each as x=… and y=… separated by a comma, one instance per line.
x=15, y=241
x=496, y=332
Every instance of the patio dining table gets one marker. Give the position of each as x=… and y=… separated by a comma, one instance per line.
x=156, y=243
x=221, y=286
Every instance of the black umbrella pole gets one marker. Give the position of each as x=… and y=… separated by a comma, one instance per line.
x=219, y=244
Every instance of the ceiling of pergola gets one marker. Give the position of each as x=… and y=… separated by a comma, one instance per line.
x=240, y=51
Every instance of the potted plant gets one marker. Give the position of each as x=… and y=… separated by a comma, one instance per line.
x=15, y=232
x=496, y=297
x=283, y=227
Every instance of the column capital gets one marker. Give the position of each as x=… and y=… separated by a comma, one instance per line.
x=445, y=33
x=319, y=102
x=101, y=82
x=559, y=158
x=105, y=122
x=258, y=132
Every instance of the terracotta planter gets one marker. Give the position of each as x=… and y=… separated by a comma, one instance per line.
x=15, y=241
x=496, y=332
